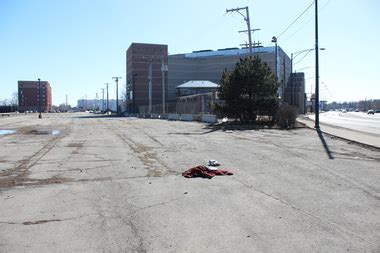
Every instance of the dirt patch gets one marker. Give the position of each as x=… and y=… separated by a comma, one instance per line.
x=12, y=182
x=154, y=173
x=32, y=131
x=75, y=145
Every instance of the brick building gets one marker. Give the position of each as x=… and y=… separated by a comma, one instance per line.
x=141, y=59
x=29, y=96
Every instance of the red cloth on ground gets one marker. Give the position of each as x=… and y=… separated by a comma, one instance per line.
x=203, y=171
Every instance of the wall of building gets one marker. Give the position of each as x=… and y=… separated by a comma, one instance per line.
x=139, y=57
x=29, y=96
x=210, y=66
x=295, y=92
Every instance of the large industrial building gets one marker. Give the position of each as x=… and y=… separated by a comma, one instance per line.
x=32, y=96
x=96, y=104
x=209, y=65
x=145, y=60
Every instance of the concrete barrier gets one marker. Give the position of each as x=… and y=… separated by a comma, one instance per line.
x=173, y=116
x=186, y=117
x=164, y=116
x=209, y=118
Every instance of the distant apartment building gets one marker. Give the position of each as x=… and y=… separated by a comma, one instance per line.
x=31, y=96
x=144, y=65
x=206, y=65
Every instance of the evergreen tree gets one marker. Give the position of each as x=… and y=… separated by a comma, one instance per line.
x=249, y=90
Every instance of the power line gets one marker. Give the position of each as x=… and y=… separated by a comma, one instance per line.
x=308, y=52
x=287, y=28
x=321, y=10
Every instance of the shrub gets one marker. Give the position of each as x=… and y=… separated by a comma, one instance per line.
x=286, y=116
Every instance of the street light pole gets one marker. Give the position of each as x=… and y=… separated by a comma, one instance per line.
x=102, y=99
x=39, y=98
x=163, y=69
x=316, y=68
x=107, y=96
x=117, y=93
x=274, y=40
x=291, y=79
x=150, y=86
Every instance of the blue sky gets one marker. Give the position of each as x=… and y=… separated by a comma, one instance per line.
x=78, y=45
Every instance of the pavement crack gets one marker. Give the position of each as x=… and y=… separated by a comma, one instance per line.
x=310, y=214
x=39, y=222
x=140, y=246
x=156, y=205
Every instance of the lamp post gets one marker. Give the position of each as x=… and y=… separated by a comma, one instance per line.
x=163, y=69
x=133, y=91
x=274, y=40
x=107, y=97
x=39, y=98
x=117, y=93
x=316, y=68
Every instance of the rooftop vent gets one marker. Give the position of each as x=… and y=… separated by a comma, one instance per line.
x=202, y=51
x=228, y=48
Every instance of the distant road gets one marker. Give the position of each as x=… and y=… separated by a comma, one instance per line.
x=358, y=121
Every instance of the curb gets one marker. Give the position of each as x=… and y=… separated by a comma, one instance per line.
x=365, y=145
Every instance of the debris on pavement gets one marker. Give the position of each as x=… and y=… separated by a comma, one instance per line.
x=205, y=172
x=213, y=163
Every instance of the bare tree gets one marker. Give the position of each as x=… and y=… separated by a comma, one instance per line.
x=14, y=99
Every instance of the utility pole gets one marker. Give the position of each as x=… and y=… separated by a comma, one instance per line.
x=163, y=69
x=150, y=85
x=316, y=68
x=102, y=99
x=96, y=102
x=291, y=79
x=39, y=98
x=66, y=103
x=107, y=95
x=246, y=18
x=117, y=93
x=283, y=79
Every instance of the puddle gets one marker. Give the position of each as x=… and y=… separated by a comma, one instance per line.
x=55, y=132
x=5, y=132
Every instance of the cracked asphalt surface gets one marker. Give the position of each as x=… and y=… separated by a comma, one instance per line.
x=114, y=185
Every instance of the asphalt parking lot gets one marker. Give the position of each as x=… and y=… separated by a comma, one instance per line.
x=87, y=183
